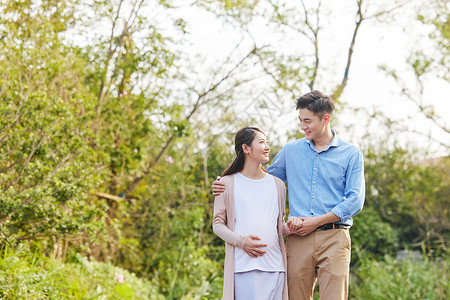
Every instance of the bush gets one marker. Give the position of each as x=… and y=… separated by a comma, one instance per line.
x=410, y=196
x=392, y=279
x=30, y=276
x=382, y=240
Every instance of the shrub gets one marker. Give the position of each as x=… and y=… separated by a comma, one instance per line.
x=382, y=240
x=24, y=275
x=407, y=279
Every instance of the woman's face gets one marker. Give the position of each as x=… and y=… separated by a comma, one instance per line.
x=259, y=148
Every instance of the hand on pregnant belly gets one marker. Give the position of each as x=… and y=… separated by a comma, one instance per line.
x=252, y=247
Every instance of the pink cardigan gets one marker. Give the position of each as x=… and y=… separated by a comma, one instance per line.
x=223, y=226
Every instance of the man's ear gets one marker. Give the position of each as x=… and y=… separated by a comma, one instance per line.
x=327, y=119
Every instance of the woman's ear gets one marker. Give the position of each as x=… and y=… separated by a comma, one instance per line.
x=245, y=148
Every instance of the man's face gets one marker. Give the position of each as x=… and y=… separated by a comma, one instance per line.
x=311, y=124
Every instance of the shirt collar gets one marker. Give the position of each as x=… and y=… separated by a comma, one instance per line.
x=335, y=142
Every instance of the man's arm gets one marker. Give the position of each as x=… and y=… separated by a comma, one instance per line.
x=311, y=223
x=278, y=167
x=217, y=187
x=352, y=203
x=354, y=192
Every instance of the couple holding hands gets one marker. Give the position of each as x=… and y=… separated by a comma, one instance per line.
x=325, y=177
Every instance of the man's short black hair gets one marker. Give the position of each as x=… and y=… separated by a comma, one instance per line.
x=317, y=102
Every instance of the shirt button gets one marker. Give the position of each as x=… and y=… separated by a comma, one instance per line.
x=314, y=197
x=315, y=169
x=314, y=182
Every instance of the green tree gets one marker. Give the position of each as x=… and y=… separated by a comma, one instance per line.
x=409, y=197
x=47, y=167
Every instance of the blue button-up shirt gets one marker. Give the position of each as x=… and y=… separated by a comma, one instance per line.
x=324, y=181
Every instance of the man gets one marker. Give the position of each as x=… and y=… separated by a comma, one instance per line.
x=325, y=178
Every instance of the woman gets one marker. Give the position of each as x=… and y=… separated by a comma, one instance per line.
x=249, y=217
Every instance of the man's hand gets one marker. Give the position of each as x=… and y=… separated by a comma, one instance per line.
x=252, y=248
x=294, y=224
x=217, y=187
x=309, y=225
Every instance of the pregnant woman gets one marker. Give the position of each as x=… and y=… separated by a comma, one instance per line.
x=249, y=217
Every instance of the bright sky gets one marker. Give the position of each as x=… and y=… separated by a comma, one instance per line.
x=368, y=87
x=387, y=41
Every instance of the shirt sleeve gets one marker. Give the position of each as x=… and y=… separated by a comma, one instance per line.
x=354, y=193
x=220, y=224
x=278, y=167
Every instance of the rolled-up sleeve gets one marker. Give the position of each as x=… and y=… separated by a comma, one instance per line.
x=353, y=200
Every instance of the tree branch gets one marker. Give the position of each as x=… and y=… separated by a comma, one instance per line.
x=359, y=19
x=315, y=41
x=102, y=91
x=194, y=109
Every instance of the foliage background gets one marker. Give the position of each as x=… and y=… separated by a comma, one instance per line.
x=112, y=130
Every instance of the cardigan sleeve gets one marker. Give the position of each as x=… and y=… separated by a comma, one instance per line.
x=220, y=222
x=286, y=231
x=282, y=198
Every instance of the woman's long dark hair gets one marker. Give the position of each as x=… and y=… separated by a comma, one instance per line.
x=246, y=136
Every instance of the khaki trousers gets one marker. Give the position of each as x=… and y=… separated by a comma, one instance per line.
x=322, y=255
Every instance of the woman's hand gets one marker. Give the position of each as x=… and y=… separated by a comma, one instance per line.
x=294, y=224
x=252, y=248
